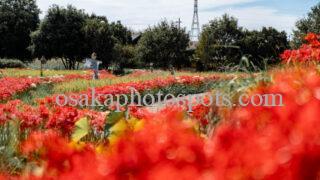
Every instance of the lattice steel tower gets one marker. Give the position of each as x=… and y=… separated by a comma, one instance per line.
x=195, y=28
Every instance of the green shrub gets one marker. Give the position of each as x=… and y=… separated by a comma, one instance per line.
x=11, y=63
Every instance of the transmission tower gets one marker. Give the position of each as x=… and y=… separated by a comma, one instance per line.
x=179, y=23
x=195, y=28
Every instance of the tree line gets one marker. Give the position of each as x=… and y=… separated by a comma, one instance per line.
x=224, y=45
x=70, y=34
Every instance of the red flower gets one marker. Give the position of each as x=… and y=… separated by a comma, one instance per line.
x=306, y=53
x=166, y=147
x=311, y=37
x=125, y=88
x=10, y=86
x=64, y=119
x=60, y=160
x=273, y=142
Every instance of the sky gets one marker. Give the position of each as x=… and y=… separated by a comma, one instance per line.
x=140, y=14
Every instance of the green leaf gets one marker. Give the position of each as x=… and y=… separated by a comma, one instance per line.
x=107, y=128
x=114, y=117
x=81, y=130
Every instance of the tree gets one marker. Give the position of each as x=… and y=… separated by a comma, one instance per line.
x=263, y=47
x=72, y=35
x=61, y=35
x=224, y=46
x=109, y=41
x=123, y=52
x=124, y=57
x=18, y=18
x=164, y=45
x=306, y=25
x=99, y=39
x=121, y=33
x=219, y=45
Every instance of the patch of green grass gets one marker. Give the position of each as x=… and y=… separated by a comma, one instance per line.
x=11, y=160
x=36, y=73
x=41, y=91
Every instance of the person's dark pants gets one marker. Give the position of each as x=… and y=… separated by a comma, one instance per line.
x=96, y=74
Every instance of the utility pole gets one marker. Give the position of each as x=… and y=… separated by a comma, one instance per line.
x=195, y=27
x=42, y=62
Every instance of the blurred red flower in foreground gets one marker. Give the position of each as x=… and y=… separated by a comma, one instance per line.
x=59, y=118
x=60, y=159
x=273, y=142
x=254, y=143
x=167, y=146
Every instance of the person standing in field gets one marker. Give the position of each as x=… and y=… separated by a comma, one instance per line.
x=93, y=64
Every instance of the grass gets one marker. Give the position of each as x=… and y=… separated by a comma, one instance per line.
x=82, y=85
x=35, y=73
x=11, y=160
x=41, y=91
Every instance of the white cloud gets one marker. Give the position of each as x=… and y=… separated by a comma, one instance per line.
x=139, y=14
x=256, y=17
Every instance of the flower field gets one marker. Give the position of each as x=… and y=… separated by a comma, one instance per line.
x=10, y=86
x=42, y=140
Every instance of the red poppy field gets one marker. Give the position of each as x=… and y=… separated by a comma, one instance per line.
x=41, y=140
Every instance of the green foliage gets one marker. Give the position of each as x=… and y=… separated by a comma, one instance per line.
x=306, y=25
x=112, y=119
x=18, y=18
x=164, y=45
x=121, y=33
x=219, y=44
x=99, y=39
x=11, y=63
x=226, y=46
x=263, y=47
x=109, y=41
x=72, y=35
x=124, y=57
x=30, y=96
x=82, y=128
x=60, y=35
x=10, y=159
x=123, y=52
